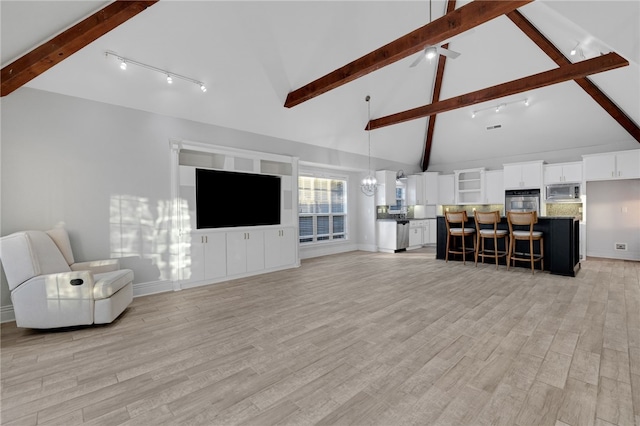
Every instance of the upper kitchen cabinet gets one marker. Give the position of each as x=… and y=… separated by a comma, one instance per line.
x=613, y=165
x=415, y=190
x=469, y=186
x=430, y=187
x=564, y=172
x=523, y=175
x=422, y=189
x=446, y=193
x=494, y=186
x=386, y=192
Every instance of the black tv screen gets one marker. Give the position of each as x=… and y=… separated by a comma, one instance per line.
x=226, y=199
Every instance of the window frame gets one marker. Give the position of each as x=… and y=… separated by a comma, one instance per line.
x=314, y=237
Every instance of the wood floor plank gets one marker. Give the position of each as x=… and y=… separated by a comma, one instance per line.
x=356, y=338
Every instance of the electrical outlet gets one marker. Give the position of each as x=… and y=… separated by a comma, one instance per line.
x=621, y=246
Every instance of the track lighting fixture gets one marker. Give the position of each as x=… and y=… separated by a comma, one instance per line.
x=500, y=106
x=170, y=75
x=574, y=50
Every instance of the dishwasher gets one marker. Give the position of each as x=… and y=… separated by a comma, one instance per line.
x=402, y=234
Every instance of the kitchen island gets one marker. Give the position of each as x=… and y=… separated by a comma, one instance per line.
x=561, y=243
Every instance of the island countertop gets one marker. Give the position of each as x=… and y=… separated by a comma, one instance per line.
x=561, y=242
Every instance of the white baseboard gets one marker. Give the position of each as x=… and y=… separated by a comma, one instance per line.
x=368, y=247
x=153, y=287
x=7, y=314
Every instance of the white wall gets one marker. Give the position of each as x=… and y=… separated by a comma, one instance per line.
x=104, y=171
x=613, y=216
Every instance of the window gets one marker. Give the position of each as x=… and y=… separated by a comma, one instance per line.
x=322, y=209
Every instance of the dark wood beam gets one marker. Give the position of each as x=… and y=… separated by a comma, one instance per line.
x=54, y=51
x=435, y=97
x=564, y=73
x=559, y=58
x=451, y=24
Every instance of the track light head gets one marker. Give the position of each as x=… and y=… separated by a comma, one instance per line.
x=123, y=65
x=203, y=88
x=169, y=79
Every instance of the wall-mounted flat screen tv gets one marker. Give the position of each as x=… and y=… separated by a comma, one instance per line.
x=227, y=199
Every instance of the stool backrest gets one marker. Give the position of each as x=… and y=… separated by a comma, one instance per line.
x=522, y=219
x=487, y=218
x=456, y=217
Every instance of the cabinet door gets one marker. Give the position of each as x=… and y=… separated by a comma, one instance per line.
x=553, y=173
x=215, y=255
x=279, y=247
x=386, y=191
x=494, y=187
x=432, y=234
x=628, y=165
x=414, y=190
x=572, y=172
x=446, y=193
x=255, y=251
x=532, y=175
x=236, y=253
x=430, y=182
x=599, y=167
x=415, y=237
x=195, y=259
x=512, y=177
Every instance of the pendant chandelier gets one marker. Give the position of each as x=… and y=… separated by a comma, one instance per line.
x=369, y=182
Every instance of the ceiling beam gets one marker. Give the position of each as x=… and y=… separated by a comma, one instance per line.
x=450, y=25
x=435, y=97
x=547, y=78
x=54, y=51
x=558, y=57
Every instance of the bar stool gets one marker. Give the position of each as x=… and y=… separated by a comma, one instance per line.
x=490, y=232
x=458, y=218
x=523, y=219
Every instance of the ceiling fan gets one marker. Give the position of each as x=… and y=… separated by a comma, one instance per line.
x=432, y=51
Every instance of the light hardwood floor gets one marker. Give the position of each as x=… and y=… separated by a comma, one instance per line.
x=357, y=338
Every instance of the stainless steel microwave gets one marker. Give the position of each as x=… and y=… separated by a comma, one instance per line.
x=563, y=193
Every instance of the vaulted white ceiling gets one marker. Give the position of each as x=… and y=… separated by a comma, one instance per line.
x=252, y=54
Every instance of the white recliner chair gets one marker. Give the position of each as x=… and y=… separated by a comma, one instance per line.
x=50, y=290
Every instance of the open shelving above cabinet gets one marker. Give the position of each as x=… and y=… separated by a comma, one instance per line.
x=469, y=186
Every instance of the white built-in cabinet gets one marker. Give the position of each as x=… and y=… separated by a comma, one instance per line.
x=386, y=190
x=469, y=186
x=422, y=232
x=430, y=187
x=563, y=172
x=613, y=165
x=245, y=252
x=208, y=256
x=494, y=187
x=446, y=193
x=523, y=175
x=280, y=247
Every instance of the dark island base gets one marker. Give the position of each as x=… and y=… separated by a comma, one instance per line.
x=561, y=244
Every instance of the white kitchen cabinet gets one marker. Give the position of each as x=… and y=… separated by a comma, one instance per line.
x=469, y=186
x=430, y=187
x=386, y=191
x=279, y=247
x=494, y=187
x=430, y=232
x=613, y=165
x=523, y=175
x=564, y=172
x=415, y=190
x=446, y=193
x=416, y=232
x=245, y=252
x=208, y=254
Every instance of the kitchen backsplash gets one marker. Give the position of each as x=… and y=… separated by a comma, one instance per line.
x=565, y=209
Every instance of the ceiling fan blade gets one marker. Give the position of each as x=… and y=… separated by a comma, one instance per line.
x=419, y=59
x=448, y=53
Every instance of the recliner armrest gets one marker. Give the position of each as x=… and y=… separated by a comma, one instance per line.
x=97, y=266
x=63, y=285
